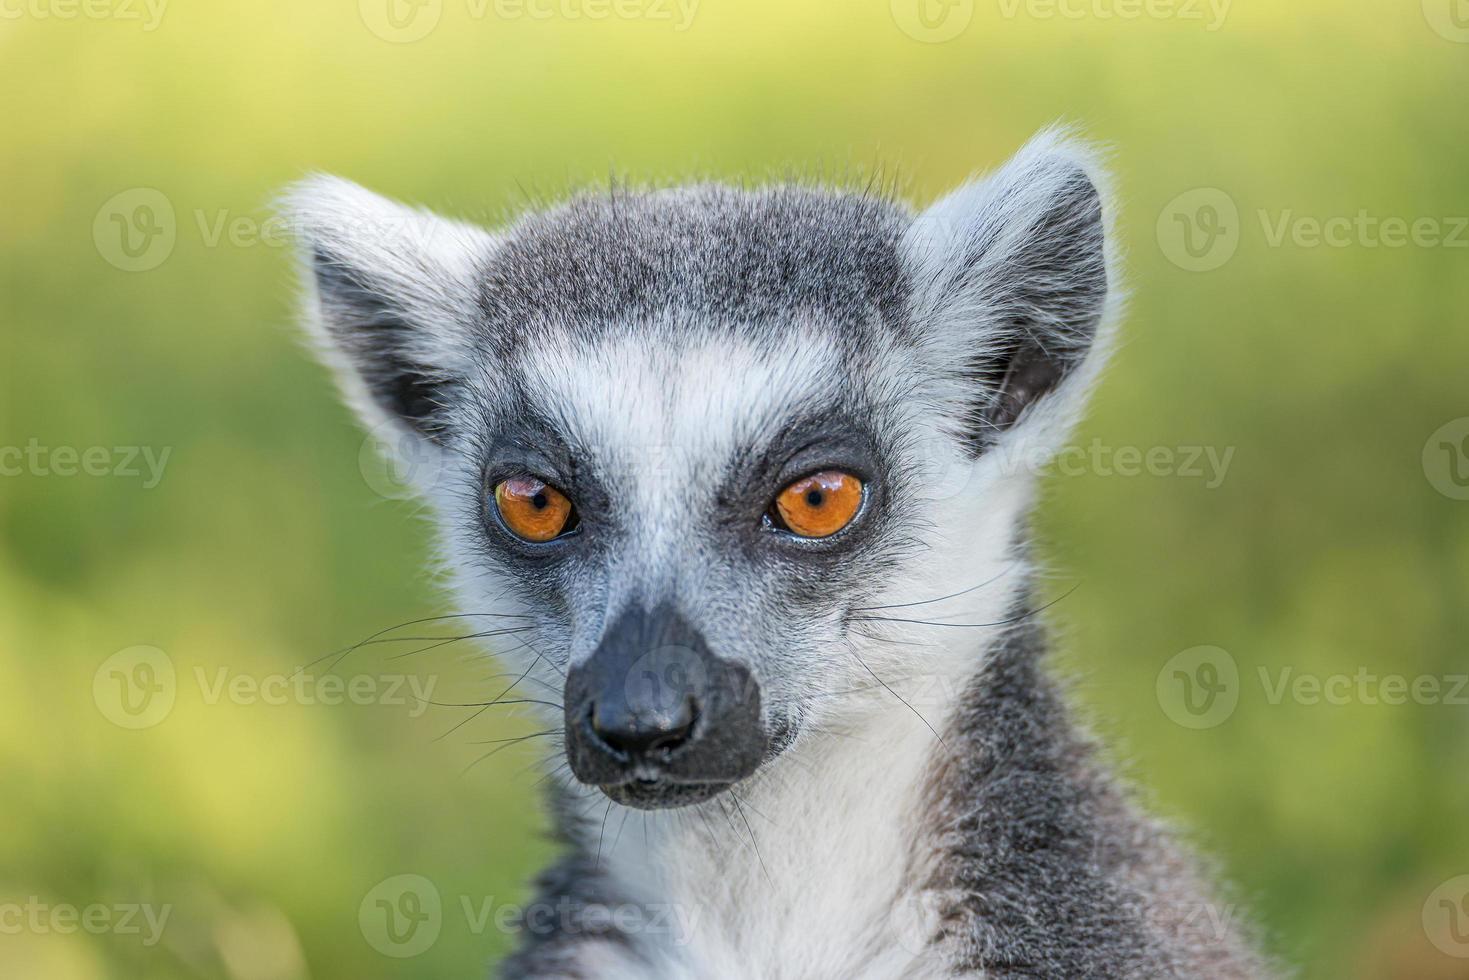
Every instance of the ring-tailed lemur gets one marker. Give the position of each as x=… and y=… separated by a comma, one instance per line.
x=744, y=474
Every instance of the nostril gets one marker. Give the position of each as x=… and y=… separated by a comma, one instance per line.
x=679, y=732
x=641, y=735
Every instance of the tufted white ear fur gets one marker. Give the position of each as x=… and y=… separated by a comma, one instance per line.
x=1015, y=292
x=390, y=299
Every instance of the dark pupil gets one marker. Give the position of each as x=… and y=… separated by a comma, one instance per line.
x=815, y=498
x=539, y=501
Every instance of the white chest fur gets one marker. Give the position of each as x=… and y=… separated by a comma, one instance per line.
x=809, y=872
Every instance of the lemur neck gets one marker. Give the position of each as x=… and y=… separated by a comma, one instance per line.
x=812, y=854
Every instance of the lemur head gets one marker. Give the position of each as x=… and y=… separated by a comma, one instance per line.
x=705, y=446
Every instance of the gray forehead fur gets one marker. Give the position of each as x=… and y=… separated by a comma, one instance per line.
x=1012, y=264
x=709, y=254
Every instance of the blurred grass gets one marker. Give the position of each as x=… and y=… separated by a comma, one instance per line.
x=263, y=826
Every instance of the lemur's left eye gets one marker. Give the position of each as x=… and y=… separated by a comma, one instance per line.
x=533, y=510
x=819, y=505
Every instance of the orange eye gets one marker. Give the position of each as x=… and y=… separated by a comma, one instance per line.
x=531, y=509
x=821, y=504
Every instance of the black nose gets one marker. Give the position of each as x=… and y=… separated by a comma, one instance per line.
x=653, y=732
x=653, y=705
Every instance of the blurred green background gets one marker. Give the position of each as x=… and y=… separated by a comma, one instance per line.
x=1336, y=543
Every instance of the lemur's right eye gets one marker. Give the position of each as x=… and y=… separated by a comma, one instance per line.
x=532, y=510
x=819, y=505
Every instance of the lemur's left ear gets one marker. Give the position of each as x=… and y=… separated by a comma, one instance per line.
x=1012, y=278
x=390, y=299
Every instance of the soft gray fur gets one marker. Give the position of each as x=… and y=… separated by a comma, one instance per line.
x=920, y=805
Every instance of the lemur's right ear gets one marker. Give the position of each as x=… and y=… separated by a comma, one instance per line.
x=1013, y=278
x=390, y=298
